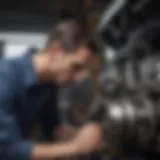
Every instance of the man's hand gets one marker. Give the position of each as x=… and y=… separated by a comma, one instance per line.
x=88, y=139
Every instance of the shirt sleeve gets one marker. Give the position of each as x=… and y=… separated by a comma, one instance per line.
x=12, y=145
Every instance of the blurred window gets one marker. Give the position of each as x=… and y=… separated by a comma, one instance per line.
x=12, y=50
x=13, y=44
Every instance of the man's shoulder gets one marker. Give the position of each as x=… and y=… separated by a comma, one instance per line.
x=7, y=69
x=7, y=80
x=5, y=64
x=20, y=67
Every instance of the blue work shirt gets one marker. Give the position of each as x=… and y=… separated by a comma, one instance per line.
x=23, y=103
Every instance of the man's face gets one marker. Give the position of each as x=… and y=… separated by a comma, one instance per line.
x=71, y=68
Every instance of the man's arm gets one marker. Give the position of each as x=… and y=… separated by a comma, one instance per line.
x=13, y=147
x=87, y=140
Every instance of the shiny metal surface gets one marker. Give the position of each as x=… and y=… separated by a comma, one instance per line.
x=129, y=123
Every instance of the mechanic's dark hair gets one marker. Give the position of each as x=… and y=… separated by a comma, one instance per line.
x=72, y=34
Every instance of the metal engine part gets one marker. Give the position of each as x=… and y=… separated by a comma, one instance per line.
x=130, y=92
x=130, y=123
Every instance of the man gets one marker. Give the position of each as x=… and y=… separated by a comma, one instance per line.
x=26, y=84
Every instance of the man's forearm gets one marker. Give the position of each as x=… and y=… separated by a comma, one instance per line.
x=59, y=150
x=87, y=140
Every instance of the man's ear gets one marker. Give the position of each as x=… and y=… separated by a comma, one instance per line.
x=55, y=48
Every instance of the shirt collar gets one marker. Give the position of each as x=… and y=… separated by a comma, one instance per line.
x=28, y=73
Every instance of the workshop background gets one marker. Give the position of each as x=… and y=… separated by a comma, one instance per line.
x=24, y=24
x=21, y=20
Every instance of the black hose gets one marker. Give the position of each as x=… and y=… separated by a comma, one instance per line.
x=149, y=31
